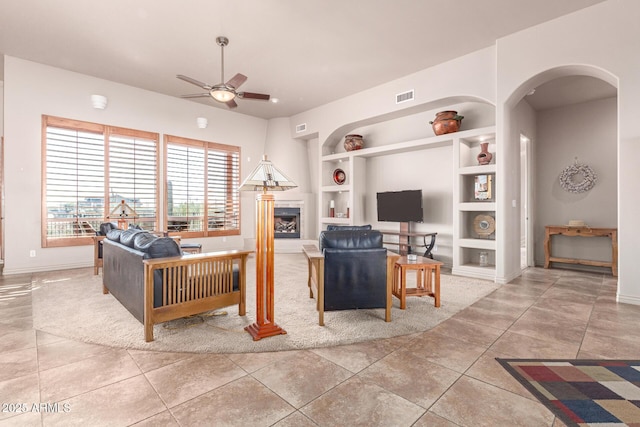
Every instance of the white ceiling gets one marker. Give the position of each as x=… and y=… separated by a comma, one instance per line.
x=306, y=53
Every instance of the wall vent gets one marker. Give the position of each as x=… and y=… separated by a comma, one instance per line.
x=301, y=127
x=404, y=97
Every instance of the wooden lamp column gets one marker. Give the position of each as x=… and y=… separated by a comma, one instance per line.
x=265, y=177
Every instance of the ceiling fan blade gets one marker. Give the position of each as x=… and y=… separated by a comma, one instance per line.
x=251, y=95
x=237, y=80
x=231, y=104
x=194, y=82
x=196, y=95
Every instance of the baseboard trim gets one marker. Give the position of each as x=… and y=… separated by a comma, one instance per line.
x=628, y=299
x=45, y=268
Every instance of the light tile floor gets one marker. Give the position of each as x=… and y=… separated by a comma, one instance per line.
x=447, y=376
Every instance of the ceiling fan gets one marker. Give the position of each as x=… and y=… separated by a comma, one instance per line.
x=223, y=92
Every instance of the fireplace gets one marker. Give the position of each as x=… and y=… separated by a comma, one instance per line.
x=286, y=223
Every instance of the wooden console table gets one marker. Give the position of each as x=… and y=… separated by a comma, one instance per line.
x=404, y=241
x=565, y=230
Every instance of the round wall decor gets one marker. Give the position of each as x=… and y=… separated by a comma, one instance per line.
x=578, y=178
x=339, y=177
x=484, y=225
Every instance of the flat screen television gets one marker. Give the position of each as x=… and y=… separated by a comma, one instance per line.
x=400, y=206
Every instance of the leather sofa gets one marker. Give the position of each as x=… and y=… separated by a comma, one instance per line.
x=353, y=271
x=156, y=283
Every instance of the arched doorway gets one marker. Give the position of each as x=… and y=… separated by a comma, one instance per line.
x=569, y=114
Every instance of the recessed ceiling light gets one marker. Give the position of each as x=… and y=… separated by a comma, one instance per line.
x=275, y=100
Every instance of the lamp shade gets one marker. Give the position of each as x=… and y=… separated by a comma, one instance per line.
x=267, y=177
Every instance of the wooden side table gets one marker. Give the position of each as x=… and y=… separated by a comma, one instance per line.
x=428, y=279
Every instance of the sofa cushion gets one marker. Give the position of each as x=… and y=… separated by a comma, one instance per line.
x=350, y=239
x=114, y=234
x=141, y=241
x=105, y=227
x=127, y=236
x=333, y=227
x=163, y=247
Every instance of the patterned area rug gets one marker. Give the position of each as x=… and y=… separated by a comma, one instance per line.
x=583, y=392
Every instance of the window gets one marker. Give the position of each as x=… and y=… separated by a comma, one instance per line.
x=85, y=164
x=202, y=181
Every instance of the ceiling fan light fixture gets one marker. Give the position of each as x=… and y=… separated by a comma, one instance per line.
x=222, y=94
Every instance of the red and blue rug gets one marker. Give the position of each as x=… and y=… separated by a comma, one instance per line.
x=583, y=392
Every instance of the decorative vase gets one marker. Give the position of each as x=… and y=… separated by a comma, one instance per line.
x=353, y=142
x=446, y=122
x=484, y=157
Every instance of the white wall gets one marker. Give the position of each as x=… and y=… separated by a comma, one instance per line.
x=466, y=84
x=601, y=41
x=391, y=173
x=470, y=77
x=429, y=170
x=1, y=108
x=586, y=131
x=61, y=93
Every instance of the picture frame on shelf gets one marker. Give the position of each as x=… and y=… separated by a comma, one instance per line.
x=482, y=187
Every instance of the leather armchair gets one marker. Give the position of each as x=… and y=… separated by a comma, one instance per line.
x=356, y=271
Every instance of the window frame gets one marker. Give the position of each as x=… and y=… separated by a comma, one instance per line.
x=206, y=146
x=106, y=131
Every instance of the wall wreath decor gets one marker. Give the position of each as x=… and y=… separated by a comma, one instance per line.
x=578, y=178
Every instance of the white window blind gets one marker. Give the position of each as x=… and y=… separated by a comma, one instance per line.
x=202, y=187
x=74, y=184
x=222, y=187
x=185, y=188
x=133, y=177
x=85, y=164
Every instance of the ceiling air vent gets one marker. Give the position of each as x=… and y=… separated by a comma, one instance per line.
x=301, y=127
x=404, y=97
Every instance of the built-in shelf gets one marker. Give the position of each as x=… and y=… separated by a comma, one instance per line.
x=477, y=243
x=334, y=220
x=468, y=244
x=477, y=206
x=336, y=188
x=477, y=170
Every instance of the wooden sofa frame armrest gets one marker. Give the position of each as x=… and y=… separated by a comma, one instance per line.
x=315, y=260
x=205, y=284
x=97, y=261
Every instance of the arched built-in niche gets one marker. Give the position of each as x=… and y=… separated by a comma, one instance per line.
x=401, y=153
x=573, y=127
x=422, y=114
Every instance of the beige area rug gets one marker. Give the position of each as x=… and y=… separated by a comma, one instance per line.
x=71, y=304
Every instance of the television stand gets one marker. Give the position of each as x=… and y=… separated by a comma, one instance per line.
x=405, y=239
